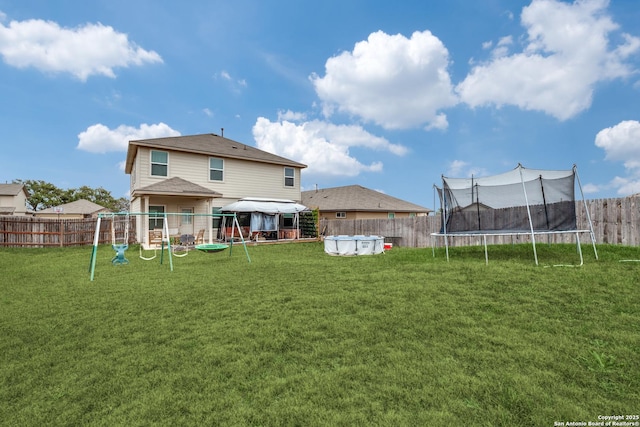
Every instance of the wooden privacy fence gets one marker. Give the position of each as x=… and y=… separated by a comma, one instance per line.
x=25, y=231
x=615, y=221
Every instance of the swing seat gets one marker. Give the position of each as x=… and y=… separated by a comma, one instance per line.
x=119, y=259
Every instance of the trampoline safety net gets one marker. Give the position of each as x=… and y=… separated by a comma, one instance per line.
x=503, y=203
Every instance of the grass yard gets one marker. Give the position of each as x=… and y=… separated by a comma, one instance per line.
x=297, y=337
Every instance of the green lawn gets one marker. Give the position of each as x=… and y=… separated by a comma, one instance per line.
x=297, y=337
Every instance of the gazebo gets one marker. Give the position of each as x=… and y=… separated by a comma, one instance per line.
x=265, y=219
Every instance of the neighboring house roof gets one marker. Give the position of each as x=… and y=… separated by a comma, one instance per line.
x=82, y=206
x=475, y=206
x=207, y=144
x=357, y=198
x=176, y=187
x=11, y=189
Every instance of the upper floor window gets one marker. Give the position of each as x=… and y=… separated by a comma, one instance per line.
x=216, y=169
x=391, y=215
x=341, y=214
x=159, y=163
x=289, y=177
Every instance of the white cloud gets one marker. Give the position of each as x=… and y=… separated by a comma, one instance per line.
x=322, y=146
x=590, y=188
x=390, y=80
x=92, y=49
x=456, y=168
x=566, y=56
x=291, y=116
x=462, y=169
x=207, y=112
x=99, y=138
x=621, y=143
x=502, y=48
x=235, y=84
x=626, y=186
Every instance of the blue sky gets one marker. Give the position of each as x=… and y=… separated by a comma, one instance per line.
x=388, y=95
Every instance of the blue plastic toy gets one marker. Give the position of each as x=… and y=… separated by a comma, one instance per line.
x=119, y=259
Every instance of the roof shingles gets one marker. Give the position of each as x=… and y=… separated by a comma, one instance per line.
x=177, y=186
x=357, y=198
x=208, y=144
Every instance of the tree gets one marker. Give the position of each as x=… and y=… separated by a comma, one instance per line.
x=43, y=195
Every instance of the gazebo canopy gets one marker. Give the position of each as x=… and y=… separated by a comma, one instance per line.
x=267, y=206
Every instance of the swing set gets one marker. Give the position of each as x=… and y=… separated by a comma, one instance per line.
x=120, y=246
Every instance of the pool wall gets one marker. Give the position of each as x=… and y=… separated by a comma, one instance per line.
x=353, y=245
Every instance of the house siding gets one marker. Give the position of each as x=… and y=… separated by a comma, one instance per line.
x=19, y=202
x=242, y=178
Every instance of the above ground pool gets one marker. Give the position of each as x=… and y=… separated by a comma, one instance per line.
x=354, y=245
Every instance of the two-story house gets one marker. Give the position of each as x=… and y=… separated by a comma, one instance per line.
x=13, y=199
x=199, y=174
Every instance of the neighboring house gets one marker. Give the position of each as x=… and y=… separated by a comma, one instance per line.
x=74, y=210
x=199, y=174
x=473, y=207
x=13, y=199
x=357, y=202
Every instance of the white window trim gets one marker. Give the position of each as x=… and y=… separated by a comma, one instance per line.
x=210, y=169
x=341, y=215
x=151, y=163
x=290, y=177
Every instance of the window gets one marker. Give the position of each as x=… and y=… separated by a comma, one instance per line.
x=159, y=163
x=217, y=220
x=287, y=220
x=391, y=215
x=155, y=221
x=187, y=217
x=289, y=177
x=341, y=214
x=216, y=169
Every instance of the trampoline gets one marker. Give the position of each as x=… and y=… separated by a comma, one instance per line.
x=519, y=202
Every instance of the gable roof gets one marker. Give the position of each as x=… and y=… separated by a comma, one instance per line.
x=357, y=198
x=208, y=144
x=176, y=187
x=11, y=189
x=82, y=206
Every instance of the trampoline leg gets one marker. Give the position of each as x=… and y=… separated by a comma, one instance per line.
x=486, y=255
x=579, y=249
